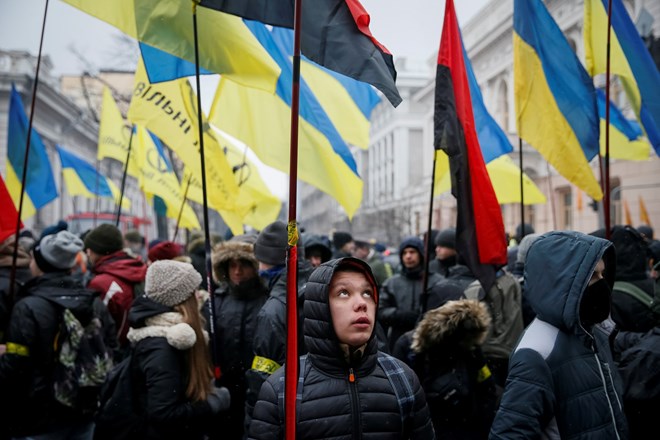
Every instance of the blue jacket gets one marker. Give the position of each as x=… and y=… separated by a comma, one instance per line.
x=562, y=380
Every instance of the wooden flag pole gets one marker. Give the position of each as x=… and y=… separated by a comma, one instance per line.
x=123, y=177
x=14, y=257
x=291, y=365
x=207, y=234
x=427, y=239
x=606, y=195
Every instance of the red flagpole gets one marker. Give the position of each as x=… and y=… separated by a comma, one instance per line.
x=291, y=365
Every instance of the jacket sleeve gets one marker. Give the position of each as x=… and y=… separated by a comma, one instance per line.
x=387, y=305
x=269, y=352
x=527, y=404
x=266, y=421
x=18, y=361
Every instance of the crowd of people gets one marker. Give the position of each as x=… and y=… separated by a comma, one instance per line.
x=564, y=345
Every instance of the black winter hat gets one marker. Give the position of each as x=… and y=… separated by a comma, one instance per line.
x=412, y=242
x=339, y=239
x=522, y=230
x=104, y=239
x=446, y=238
x=271, y=244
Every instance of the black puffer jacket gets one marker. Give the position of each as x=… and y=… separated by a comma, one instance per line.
x=26, y=369
x=162, y=373
x=331, y=405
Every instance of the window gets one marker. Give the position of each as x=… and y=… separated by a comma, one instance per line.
x=503, y=106
x=565, y=210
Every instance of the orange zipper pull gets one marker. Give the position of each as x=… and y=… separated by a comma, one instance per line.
x=351, y=376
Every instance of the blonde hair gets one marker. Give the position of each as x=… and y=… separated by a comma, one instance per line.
x=199, y=363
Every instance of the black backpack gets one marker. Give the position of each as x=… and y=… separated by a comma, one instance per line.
x=120, y=415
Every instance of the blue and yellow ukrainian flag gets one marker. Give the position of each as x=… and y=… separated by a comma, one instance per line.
x=629, y=60
x=39, y=183
x=626, y=137
x=555, y=99
x=262, y=121
x=82, y=179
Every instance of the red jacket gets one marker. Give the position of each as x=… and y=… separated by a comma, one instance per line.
x=115, y=277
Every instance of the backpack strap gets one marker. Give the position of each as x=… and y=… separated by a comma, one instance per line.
x=301, y=381
x=402, y=389
x=472, y=290
x=634, y=291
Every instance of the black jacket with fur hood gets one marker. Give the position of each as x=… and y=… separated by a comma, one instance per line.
x=332, y=406
x=444, y=350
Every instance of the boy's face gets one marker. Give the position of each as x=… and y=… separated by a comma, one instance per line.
x=240, y=270
x=352, y=307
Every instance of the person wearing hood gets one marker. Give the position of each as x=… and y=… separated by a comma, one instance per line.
x=444, y=351
x=27, y=368
x=237, y=301
x=22, y=275
x=344, y=390
x=116, y=274
x=562, y=381
x=401, y=305
x=317, y=249
x=173, y=374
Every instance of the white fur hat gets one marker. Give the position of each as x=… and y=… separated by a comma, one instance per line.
x=170, y=282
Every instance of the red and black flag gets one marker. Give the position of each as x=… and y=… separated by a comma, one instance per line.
x=334, y=34
x=479, y=228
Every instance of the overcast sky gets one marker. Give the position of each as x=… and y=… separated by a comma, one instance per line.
x=406, y=27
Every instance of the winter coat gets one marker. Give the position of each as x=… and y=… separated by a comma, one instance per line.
x=26, y=369
x=159, y=342
x=332, y=406
x=562, y=380
x=23, y=274
x=400, y=305
x=270, y=336
x=444, y=350
x=236, y=309
x=115, y=277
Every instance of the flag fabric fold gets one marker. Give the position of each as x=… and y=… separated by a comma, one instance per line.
x=334, y=34
x=555, y=99
x=40, y=183
x=630, y=60
x=115, y=135
x=225, y=45
x=480, y=230
x=263, y=122
x=8, y=213
x=82, y=179
x=626, y=138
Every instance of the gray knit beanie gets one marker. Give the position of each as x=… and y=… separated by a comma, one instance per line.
x=524, y=246
x=271, y=244
x=57, y=252
x=170, y=282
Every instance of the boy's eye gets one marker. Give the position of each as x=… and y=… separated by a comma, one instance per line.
x=367, y=294
x=343, y=293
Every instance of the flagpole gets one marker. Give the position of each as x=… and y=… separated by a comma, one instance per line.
x=14, y=257
x=291, y=365
x=123, y=177
x=427, y=239
x=96, y=200
x=552, y=197
x=207, y=235
x=183, y=204
x=606, y=204
x=522, y=194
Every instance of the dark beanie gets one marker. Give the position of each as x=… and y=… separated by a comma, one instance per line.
x=271, y=244
x=446, y=238
x=339, y=239
x=104, y=239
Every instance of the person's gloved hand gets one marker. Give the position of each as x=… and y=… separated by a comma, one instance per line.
x=219, y=399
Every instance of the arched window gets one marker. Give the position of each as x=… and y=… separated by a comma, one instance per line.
x=502, y=110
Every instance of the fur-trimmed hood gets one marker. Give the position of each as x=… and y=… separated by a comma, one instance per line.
x=464, y=322
x=227, y=251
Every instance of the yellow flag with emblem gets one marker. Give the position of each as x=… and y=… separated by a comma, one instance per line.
x=158, y=179
x=169, y=110
x=114, y=134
